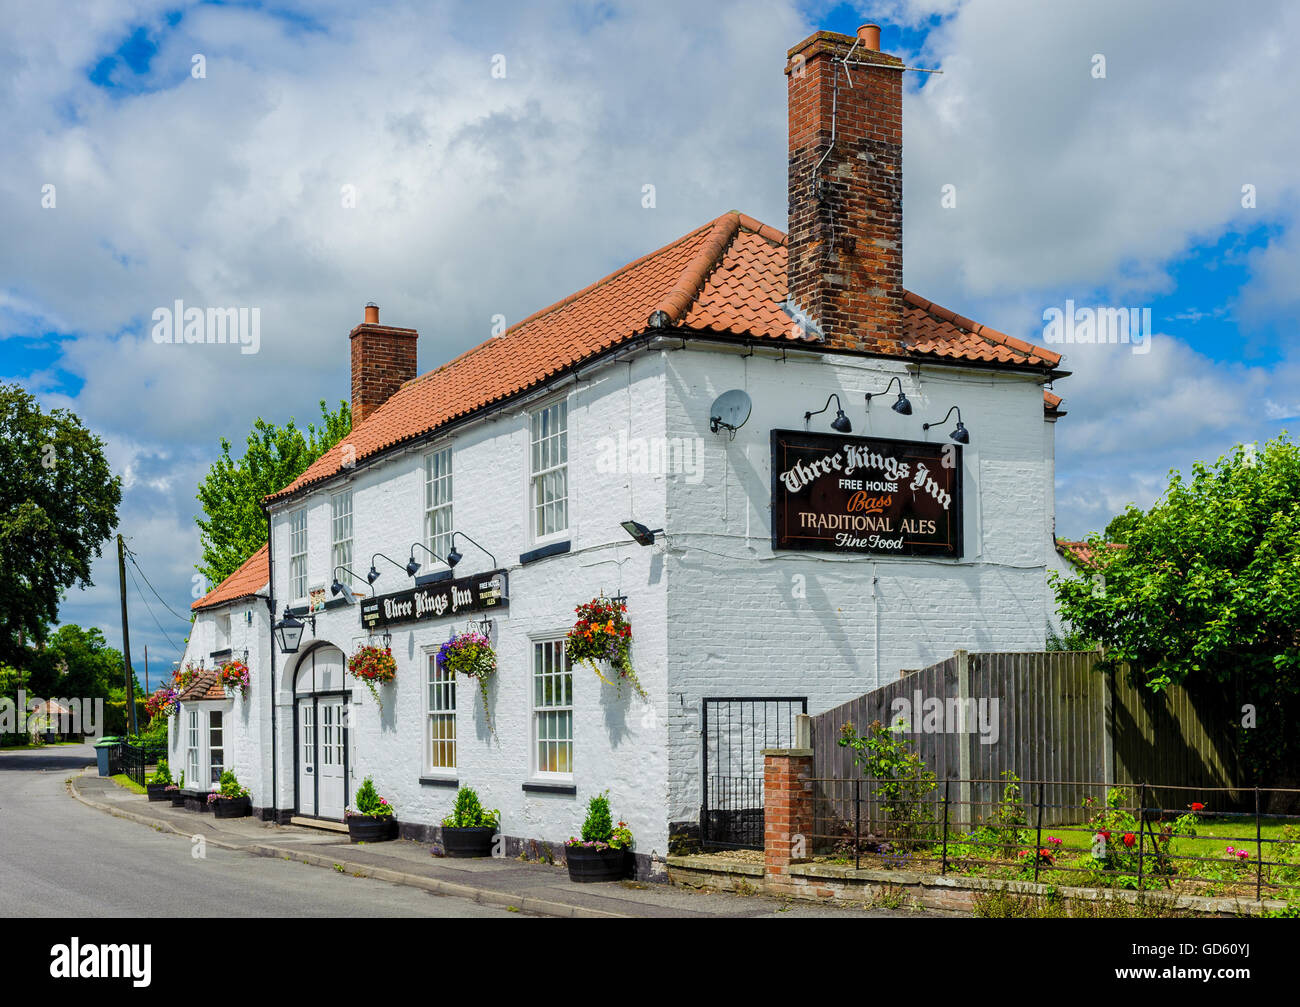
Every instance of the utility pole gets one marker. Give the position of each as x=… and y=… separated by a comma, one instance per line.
x=126, y=640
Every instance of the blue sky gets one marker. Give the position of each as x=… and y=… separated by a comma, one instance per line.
x=482, y=196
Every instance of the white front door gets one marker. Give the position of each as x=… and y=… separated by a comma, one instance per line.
x=307, y=756
x=333, y=786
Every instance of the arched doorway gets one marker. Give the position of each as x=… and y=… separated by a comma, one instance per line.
x=320, y=734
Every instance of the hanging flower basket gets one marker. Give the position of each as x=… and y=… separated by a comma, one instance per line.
x=235, y=675
x=168, y=697
x=602, y=633
x=373, y=666
x=471, y=654
x=163, y=702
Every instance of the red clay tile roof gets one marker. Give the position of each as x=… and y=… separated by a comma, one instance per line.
x=1082, y=553
x=726, y=278
x=251, y=577
x=1052, y=404
x=206, y=685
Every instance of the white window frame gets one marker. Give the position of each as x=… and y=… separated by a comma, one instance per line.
x=298, y=560
x=214, y=783
x=540, y=709
x=439, y=498
x=548, y=458
x=341, y=520
x=440, y=706
x=193, y=749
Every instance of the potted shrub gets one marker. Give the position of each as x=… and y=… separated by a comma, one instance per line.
x=159, y=783
x=468, y=830
x=230, y=800
x=602, y=854
x=602, y=633
x=176, y=791
x=471, y=654
x=374, y=666
x=373, y=821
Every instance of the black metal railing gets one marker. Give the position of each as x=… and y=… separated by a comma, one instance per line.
x=1116, y=836
x=127, y=759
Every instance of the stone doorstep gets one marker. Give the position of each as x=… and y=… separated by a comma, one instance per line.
x=714, y=865
x=319, y=823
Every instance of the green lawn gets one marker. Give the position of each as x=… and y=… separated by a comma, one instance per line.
x=32, y=748
x=126, y=783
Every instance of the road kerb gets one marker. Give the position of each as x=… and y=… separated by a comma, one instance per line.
x=436, y=886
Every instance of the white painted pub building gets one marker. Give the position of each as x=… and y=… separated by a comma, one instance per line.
x=792, y=555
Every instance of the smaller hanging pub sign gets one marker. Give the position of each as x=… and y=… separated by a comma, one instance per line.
x=875, y=495
x=440, y=600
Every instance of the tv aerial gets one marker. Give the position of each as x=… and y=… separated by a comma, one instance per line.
x=729, y=412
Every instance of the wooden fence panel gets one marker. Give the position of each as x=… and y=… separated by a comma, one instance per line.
x=1051, y=722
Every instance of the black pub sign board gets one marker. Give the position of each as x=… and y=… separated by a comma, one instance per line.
x=873, y=495
x=485, y=591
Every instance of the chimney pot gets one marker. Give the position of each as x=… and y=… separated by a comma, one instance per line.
x=869, y=34
x=372, y=313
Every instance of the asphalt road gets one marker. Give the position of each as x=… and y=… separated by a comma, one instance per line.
x=59, y=858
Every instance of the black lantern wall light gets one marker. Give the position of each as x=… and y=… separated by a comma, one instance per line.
x=840, y=423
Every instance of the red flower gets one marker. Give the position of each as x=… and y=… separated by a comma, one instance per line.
x=1198, y=806
x=1129, y=839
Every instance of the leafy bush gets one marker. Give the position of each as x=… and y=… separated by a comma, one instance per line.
x=162, y=773
x=903, y=784
x=1009, y=821
x=468, y=813
x=369, y=802
x=228, y=788
x=599, y=831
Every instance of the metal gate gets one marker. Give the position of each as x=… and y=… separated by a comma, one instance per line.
x=734, y=732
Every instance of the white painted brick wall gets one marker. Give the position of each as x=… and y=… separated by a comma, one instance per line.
x=714, y=612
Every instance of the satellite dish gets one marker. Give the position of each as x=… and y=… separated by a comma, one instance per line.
x=730, y=411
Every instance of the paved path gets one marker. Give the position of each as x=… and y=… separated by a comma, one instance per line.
x=61, y=858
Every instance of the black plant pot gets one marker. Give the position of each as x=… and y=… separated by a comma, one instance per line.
x=177, y=797
x=471, y=842
x=232, y=807
x=157, y=792
x=371, y=828
x=589, y=864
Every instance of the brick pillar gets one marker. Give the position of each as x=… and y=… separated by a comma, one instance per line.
x=787, y=811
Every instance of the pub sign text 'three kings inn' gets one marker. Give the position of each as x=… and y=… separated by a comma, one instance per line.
x=875, y=495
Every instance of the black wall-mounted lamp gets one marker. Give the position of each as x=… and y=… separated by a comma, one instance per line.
x=455, y=556
x=337, y=587
x=288, y=631
x=961, y=435
x=901, y=405
x=640, y=533
x=412, y=565
x=373, y=575
x=840, y=423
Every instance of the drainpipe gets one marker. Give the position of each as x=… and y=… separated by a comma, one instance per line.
x=270, y=608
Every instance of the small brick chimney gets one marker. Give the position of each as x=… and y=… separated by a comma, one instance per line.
x=382, y=359
x=846, y=189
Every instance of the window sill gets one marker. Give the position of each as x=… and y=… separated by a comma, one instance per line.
x=439, y=781
x=542, y=551
x=532, y=786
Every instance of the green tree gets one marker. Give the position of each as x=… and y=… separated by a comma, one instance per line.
x=58, y=503
x=1206, y=593
x=77, y=662
x=233, y=526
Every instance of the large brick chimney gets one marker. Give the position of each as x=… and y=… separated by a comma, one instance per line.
x=382, y=359
x=846, y=215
